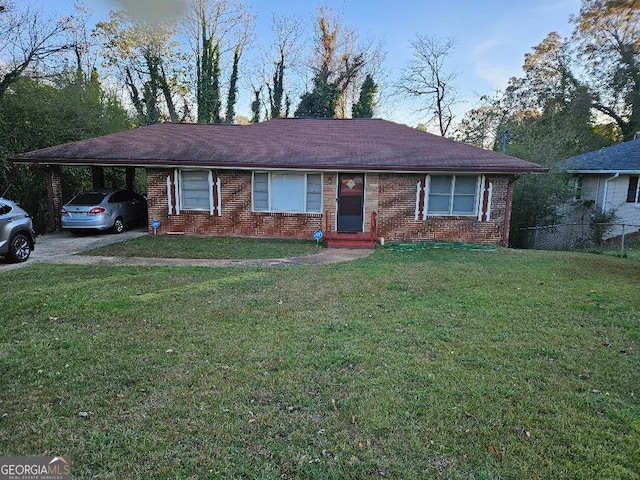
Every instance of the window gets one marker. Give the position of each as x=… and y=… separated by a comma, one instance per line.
x=577, y=188
x=452, y=195
x=287, y=192
x=633, y=195
x=194, y=190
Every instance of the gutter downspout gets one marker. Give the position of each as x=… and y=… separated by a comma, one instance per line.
x=507, y=211
x=605, y=191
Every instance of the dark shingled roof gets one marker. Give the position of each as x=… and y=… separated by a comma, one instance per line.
x=309, y=144
x=622, y=158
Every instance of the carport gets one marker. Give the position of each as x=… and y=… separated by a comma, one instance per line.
x=52, y=172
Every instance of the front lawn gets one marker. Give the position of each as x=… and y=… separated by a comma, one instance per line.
x=189, y=246
x=445, y=364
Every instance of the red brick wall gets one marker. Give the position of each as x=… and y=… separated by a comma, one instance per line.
x=54, y=192
x=394, y=199
x=236, y=218
x=397, y=206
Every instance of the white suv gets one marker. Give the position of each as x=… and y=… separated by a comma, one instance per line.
x=17, y=236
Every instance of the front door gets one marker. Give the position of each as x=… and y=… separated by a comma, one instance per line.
x=350, y=202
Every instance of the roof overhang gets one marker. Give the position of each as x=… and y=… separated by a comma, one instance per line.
x=605, y=172
x=275, y=167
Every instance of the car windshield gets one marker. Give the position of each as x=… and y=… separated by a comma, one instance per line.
x=90, y=198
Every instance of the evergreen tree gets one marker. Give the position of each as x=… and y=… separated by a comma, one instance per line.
x=208, y=91
x=275, y=95
x=233, y=88
x=255, y=105
x=321, y=102
x=364, y=107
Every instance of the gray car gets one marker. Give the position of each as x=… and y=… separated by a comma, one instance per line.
x=103, y=209
x=17, y=236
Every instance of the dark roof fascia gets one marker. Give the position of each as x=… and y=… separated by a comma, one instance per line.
x=261, y=167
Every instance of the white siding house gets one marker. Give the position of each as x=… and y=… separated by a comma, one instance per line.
x=607, y=180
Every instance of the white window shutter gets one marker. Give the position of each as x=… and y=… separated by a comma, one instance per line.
x=426, y=198
x=418, y=202
x=170, y=195
x=176, y=181
x=211, y=199
x=219, y=197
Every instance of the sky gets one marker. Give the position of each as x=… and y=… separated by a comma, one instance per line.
x=492, y=36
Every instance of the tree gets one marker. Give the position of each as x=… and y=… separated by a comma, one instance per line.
x=28, y=42
x=215, y=28
x=607, y=37
x=283, y=56
x=233, y=88
x=424, y=79
x=366, y=101
x=147, y=58
x=255, y=105
x=321, y=102
x=39, y=114
x=208, y=79
x=338, y=67
x=480, y=125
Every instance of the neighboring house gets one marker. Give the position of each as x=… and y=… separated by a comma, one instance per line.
x=355, y=180
x=607, y=180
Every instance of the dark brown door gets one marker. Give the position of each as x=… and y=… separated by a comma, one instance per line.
x=350, y=202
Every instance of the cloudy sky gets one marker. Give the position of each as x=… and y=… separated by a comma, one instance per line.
x=492, y=36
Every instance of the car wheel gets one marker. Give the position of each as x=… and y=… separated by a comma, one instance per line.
x=118, y=225
x=19, y=249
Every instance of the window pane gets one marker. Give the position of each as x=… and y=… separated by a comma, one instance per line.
x=314, y=193
x=261, y=192
x=464, y=198
x=466, y=185
x=195, y=190
x=287, y=192
x=438, y=204
x=440, y=184
x=464, y=204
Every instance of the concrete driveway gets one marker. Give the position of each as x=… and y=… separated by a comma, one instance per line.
x=60, y=247
x=63, y=247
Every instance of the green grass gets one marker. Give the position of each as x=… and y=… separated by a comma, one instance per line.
x=178, y=246
x=631, y=248
x=430, y=364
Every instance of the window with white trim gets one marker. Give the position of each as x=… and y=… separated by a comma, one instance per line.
x=287, y=192
x=452, y=195
x=194, y=190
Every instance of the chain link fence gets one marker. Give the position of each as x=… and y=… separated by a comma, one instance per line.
x=614, y=238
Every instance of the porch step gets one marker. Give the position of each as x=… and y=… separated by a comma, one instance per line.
x=350, y=240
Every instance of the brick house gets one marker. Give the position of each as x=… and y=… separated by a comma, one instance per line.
x=355, y=180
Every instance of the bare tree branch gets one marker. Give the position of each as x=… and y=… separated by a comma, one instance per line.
x=425, y=80
x=28, y=41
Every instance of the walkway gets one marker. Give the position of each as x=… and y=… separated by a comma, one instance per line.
x=63, y=248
